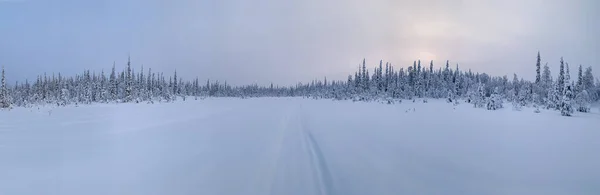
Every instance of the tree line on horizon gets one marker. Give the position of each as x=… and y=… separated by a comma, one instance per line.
x=385, y=82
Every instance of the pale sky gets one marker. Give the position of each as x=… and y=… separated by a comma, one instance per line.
x=262, y=41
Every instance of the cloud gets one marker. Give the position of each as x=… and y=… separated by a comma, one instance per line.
x=299, y=40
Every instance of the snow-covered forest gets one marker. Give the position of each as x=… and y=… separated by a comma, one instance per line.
x=383, y=82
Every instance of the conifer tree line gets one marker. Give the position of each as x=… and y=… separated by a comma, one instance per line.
x=384, y=82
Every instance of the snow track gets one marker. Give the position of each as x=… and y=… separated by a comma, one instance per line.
x=301, y=166
x=319, y=165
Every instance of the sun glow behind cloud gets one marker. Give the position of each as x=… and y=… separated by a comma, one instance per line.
x=426, y=56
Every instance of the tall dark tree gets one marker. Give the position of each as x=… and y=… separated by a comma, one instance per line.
x=538, y=69
x=175, y=88
x=364, y=80
x=128, y=82
x=419, y=67
x=431, y=67
x=4, y=103
x=414, y=68
x=379, y=73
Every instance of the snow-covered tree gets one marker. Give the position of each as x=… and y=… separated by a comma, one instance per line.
x=524, y=97
x=567, y=75
x=450, y=97
x=364, y=81
x=515, y=84
x=579, y=85
x=537, y=69
x=547, y=77
x=588, y=79
x=582, y=101
x=113, y=84
x=561, y=77
x=554, y=97
x=479, y=98
x=566, y=106
x=4, y=103
x=129, y=83
x=494, y=102
x=175, y=88
x=64, y=97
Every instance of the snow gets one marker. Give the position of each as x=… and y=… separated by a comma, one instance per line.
x=297, y=146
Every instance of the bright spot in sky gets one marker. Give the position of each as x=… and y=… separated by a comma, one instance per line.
x=426, y=56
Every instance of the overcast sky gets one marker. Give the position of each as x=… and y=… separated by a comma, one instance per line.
x=259, y=41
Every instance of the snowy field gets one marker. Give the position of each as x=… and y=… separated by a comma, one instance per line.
x=297, y=146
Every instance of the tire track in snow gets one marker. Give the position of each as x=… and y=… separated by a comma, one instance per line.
x=299, y=166
x=318, y=162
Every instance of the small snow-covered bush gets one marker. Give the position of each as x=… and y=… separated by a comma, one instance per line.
x=494, y=102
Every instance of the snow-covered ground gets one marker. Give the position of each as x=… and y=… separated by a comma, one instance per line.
x=297, y=146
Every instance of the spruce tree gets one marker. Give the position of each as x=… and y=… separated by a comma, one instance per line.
x=561, y=77
x=566, y=108
x=414, y=67
x=367, y=80
x=349, y=82
x=537, y=69
x=479, y=100
x=4, y=103
x=547, y=77
x=552, y=101
x=515, y=83
x=387, y=77
x=357, y=79
x=431, y=67
x=447, y=71
x=364, y=80
x=494, y=102
x=128, y=82
x=588, y=79
x=379, y=81
x=104, y=93
x=141, y=85
x=558, y=96
x=175, y=88
x=579, y=79
x=113, y=83
x=149, y=85
x=567, y=75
